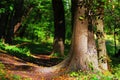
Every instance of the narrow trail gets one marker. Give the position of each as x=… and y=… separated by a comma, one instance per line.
x=23, y=68
x=36, y=69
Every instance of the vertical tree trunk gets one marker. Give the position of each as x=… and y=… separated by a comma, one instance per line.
x=102, y=55
x=3, y=21
x=15, y=17
x=3, y=24
x=83, y=52
x=92, y=50
x=59, y=26
x=18, y=27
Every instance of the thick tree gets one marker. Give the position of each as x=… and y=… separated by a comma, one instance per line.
x=83, y=54
x=59, y=26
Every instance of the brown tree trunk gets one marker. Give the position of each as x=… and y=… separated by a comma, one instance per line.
x=83, y=56
x=19, y=30
x=17, y=27
x=92, y=50
x=102, y=55
x=59, y=26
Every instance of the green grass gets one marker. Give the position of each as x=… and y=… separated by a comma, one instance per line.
x=95, y=76
x=16, y=51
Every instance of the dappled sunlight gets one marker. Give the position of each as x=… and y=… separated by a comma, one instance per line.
x=57, y=40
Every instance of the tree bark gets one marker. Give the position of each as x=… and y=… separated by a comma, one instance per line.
x=102, y=54
x=81, y=48
x=83, y=53
x=59, y=26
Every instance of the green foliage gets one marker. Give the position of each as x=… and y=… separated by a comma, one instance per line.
x=92, y=76
x=16, y=77
x=116, y=68
x=110, y=44
x=111, y=18
x=11, y=7
x=6, y=6
x=74, y=74
x=17, y=51
x=2, y=10
x=2, y=71
x=39, y=24
x=11, y=49
x=81, y=18
x=1, y=45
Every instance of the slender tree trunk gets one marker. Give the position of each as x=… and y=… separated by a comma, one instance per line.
x=17, y=27
x=102, y=55
x=101, y=46
x=19, y=30
x=10, y=29
x=59, y=26
x=92, y=50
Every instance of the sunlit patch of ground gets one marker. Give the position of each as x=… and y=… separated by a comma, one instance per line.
x=28, y=69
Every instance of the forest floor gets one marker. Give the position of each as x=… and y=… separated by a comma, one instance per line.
x=27, y=68
x=31, y=67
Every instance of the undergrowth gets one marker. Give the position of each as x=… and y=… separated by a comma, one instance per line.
x=95, y=76
x=14, y=50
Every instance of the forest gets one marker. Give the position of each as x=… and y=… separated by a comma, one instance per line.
x=59, y=39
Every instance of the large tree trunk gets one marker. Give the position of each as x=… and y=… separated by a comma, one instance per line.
x=84, y=55
x=59, y=26
x=102, y=55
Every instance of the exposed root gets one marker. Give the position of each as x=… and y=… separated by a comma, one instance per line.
x=50, y=72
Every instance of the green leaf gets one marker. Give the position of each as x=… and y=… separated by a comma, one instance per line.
x=11, y=8
x=2, y=10
x=81, y=18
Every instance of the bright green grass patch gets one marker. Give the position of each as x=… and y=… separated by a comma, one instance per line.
x=94, y=76
x=16, y=51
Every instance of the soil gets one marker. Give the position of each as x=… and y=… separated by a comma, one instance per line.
x=29, y=68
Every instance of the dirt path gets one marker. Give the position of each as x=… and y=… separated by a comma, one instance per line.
x=17, y=66
x=30, y=69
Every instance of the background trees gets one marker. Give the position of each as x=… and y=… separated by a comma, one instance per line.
x=59, y=26
x=42, y=21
